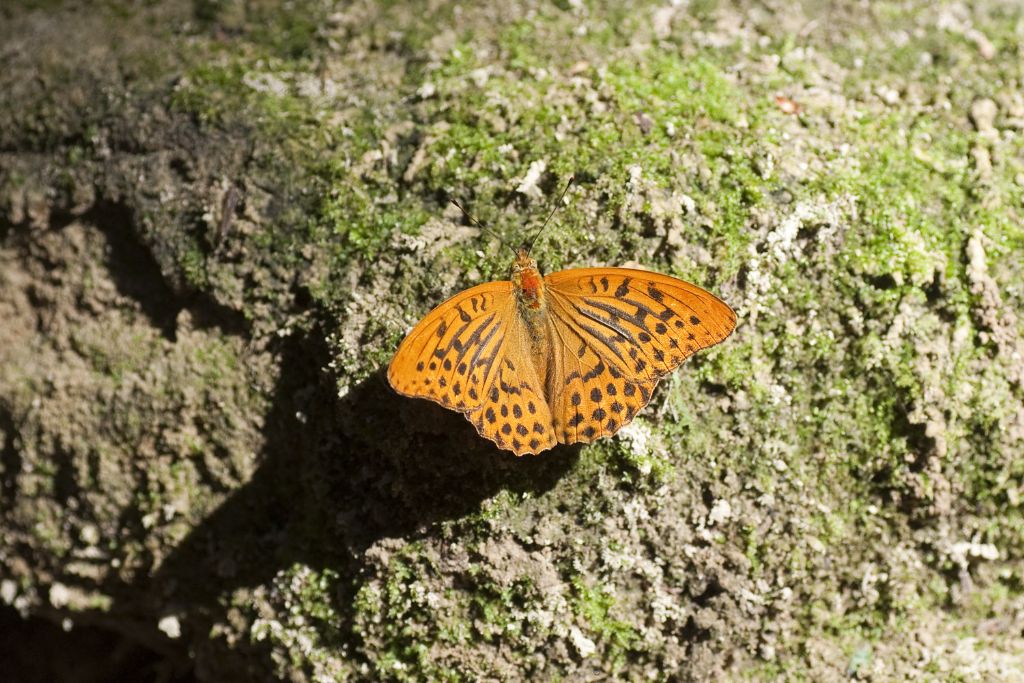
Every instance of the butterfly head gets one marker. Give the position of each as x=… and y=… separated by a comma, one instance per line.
x=523, y=261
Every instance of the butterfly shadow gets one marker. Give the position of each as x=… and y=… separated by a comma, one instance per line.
x=336, y=475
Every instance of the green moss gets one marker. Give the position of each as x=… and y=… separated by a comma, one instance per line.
x=636, y=458
x=753, y=549
x=292, y=34
x=596, y=607
x=217, y=362
x=396, y=614
x=498, y=610
x=314, y=601
x=358, y=218
x=307, y=634
x=484, y=143
x=218, y=94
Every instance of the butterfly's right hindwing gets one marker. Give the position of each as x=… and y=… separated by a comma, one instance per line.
x=453, y=355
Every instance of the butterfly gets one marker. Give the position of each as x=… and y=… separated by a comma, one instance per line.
x=564, y=358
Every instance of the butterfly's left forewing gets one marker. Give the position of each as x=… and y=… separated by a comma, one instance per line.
x=471, y=354
x=615, y=333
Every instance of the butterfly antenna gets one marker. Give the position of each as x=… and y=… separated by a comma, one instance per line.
x=547, y=220
x=476, y=222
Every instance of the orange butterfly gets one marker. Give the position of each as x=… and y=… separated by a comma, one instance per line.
x=563, y=358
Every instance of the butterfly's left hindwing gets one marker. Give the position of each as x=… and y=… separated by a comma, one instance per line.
x=515, y=415
x=453, y=355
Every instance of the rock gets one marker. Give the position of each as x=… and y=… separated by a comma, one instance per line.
x=983, y=115
x=217, y=219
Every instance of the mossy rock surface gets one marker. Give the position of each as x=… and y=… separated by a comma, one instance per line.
x=219, y=218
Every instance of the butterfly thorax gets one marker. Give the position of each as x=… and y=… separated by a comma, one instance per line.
x=528, y=282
